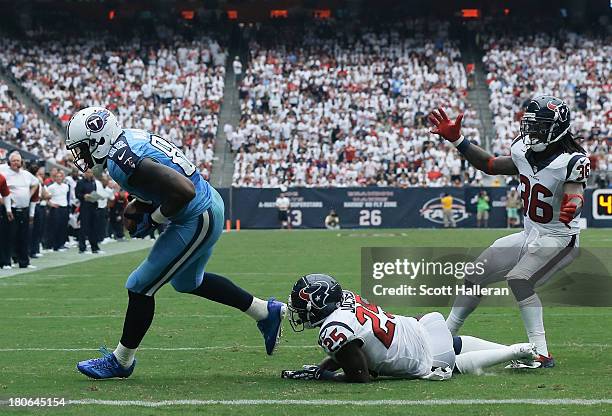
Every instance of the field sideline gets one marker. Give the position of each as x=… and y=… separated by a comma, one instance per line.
x=203, y=357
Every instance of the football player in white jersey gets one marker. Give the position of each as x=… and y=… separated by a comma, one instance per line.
x=553, y=171
x=365, y=341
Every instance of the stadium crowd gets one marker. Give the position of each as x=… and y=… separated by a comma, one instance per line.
x=333, y=108
x=23, y=128
x=323, y=105
x=575, y=67
x=174, y=87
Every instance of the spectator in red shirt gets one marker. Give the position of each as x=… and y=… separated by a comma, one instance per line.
x=349, y=153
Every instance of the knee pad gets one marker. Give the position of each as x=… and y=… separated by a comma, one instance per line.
x=431, y=317
x=521, y=288
x=182, y=286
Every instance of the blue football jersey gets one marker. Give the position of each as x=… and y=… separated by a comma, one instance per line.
x=133, y=146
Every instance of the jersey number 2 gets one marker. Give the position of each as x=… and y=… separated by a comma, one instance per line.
x=531, y=201
x=368, y=312
x=174, y=153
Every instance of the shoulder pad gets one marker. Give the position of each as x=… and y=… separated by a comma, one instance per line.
x=123, y=156
x=335, y=334
x=578, y=168
x=516, y=140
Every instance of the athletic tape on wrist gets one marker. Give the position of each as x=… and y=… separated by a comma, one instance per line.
x=158, y=217
x=462, y=144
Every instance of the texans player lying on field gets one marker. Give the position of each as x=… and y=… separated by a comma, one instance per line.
x=366, y=342
x=553, y=171
x=156, y=171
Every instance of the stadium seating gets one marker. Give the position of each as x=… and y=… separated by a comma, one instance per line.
x=174, y=88
x=22, y=127
x=574, y=67
x=338, y=109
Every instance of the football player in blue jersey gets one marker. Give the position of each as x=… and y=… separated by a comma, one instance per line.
x=157, y=172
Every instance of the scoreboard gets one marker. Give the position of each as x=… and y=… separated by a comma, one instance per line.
x=602, y=204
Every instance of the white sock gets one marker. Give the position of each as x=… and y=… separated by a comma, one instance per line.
x=531, y=312
x=124, y=355
x=458, y=314
x=258, y=309
x=474, y=362
x=470, y=344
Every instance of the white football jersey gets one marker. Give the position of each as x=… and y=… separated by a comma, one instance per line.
x=541, y=187
x=394, y=345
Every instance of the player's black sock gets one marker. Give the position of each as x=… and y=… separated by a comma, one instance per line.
x=138, y=318
x=457, y=345
x=222, y=290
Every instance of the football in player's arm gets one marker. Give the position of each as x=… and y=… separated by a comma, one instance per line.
x=174, y=190
x=157, y=172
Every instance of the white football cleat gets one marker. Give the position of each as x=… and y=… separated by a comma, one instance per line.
x=525, y=350
x=526, y=357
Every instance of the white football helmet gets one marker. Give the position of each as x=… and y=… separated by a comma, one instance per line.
x=89, y=136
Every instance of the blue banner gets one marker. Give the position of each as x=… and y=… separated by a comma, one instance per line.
x=373, y=207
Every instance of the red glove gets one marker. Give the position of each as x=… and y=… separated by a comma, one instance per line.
x=443, y=126
x=569, y=208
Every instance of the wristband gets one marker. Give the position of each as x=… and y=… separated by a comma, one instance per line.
x=158, y=217
x=462, y=144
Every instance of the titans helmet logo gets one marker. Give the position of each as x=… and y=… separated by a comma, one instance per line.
x=316, y=293
x=96, y=122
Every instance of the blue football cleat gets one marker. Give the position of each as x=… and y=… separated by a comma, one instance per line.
x=105, y=367
x=271, y=328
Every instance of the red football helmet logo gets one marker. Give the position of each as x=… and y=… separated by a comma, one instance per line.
x=552, y=106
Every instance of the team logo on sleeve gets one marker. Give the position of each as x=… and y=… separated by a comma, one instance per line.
x=316, y=293
x=96, y=122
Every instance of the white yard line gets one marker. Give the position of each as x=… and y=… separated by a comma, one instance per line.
x=549, y=313
x=246, y=347
x=158, y=315
x=255, y=402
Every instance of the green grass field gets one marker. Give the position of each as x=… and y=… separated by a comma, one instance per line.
x=198, y=350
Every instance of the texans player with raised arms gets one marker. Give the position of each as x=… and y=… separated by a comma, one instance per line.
x=154, y=170
x=553, y=170
x=366, y=342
